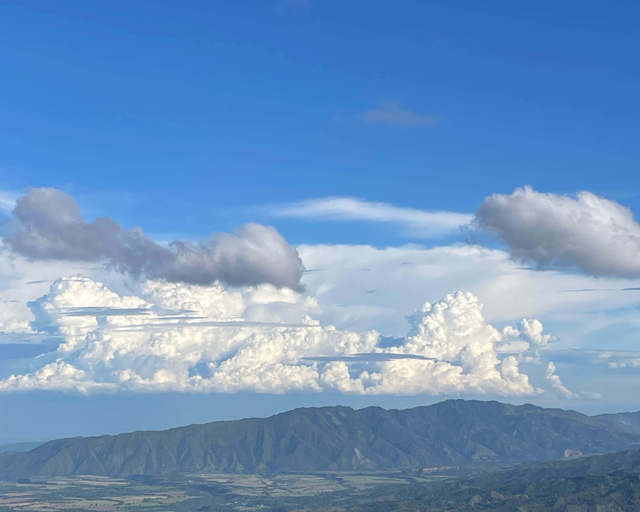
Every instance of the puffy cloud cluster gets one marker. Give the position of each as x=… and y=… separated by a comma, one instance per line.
x=47, y=225
x=596, y=235
x=450, y=349
x=180, y=337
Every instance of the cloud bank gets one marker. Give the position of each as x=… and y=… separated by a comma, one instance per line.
x=47, y=225
x=206, y=344
x=170, y=329
x=590, y=233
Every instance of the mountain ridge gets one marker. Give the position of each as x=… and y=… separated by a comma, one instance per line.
x=337, y=438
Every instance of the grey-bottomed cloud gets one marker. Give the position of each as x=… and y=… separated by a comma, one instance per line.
x=47, y=225
x=591, y=233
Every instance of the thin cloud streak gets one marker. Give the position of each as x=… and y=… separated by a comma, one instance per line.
x=391, y=113
x=162, y=326
x=369, y=356
x=106, y=311
x=418, y=223
x=603, y=290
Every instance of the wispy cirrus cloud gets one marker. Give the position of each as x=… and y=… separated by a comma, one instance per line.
x=391, y=113
x=418, y=223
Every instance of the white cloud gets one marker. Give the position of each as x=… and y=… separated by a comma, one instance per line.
x=391, y=113
x=596, y=235
x=452, y=349
x=55, y=376
x=418, y=223
x=556, y=382
x=463, y=352
x=22, y=280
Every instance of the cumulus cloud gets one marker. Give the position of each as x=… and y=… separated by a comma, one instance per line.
x=391, y=113
x=22, y=281
x=463, y=354
x=556, y=382
x=596, y=235
x=211, y=347
x=55, y=376
x=47, y=225
x=418, y=223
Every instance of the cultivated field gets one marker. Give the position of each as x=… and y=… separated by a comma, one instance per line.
x=184, y=492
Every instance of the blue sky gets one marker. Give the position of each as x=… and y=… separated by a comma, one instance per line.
x=189, y=118
x=209, y=106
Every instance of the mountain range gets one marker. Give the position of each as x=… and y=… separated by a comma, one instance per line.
x=453, y=432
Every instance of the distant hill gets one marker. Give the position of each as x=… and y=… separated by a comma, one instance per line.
x=604, y=483
x=608, y=482
x=453, y=432
x=627, y=421
x=595, y=465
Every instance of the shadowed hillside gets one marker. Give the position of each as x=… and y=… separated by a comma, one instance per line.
x=604, y=483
